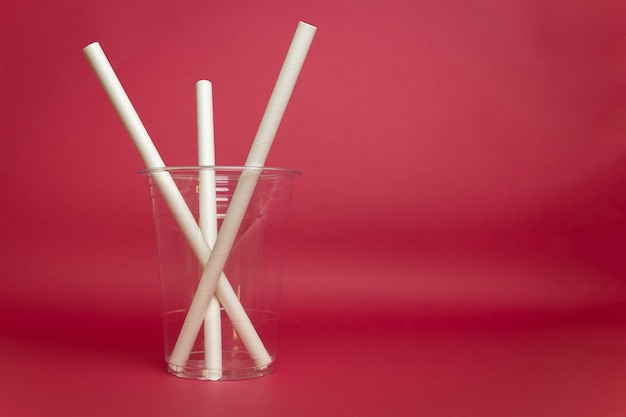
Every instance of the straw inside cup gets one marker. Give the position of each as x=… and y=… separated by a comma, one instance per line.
x=208, y=223
x=176, y=203
x=210, y=280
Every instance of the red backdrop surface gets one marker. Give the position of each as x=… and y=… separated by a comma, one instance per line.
x=456, y=240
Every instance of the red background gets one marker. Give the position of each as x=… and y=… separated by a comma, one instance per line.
x=456, y=240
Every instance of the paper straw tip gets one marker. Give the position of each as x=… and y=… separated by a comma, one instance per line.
x=263, y=363
x=92, y=45
x=174, y=369
x=301, y=23
x=212, y=375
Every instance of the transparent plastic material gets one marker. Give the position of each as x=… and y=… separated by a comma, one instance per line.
x=253, y=268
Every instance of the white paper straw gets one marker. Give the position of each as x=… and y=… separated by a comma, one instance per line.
x=210, y=280
x=208, y=222
x=177, y=206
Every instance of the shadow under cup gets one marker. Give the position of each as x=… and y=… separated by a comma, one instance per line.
x=253, y=267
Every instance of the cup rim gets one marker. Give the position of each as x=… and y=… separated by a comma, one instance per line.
x=222, y=168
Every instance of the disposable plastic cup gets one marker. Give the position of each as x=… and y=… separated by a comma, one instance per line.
x=254, y=265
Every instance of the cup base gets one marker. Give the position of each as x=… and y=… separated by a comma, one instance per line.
x=235, y=366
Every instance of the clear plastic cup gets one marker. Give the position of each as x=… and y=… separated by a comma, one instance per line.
x=253, y=268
